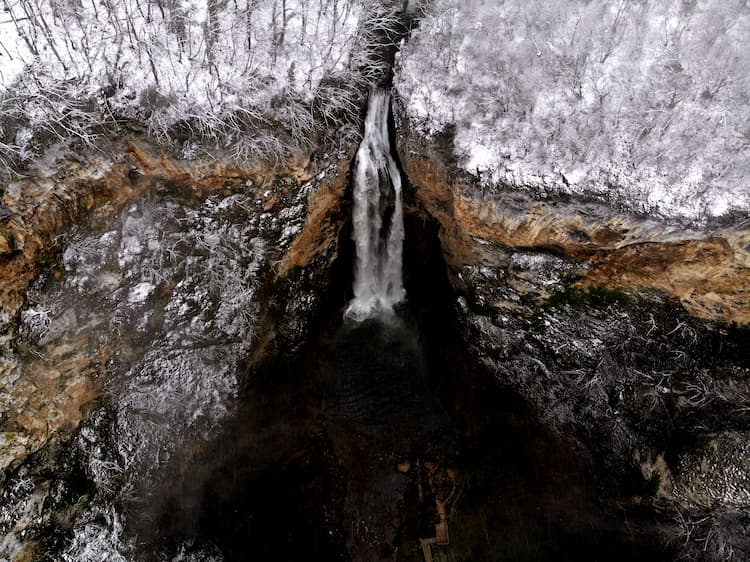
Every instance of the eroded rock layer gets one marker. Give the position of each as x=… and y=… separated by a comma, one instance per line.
x=708, y=270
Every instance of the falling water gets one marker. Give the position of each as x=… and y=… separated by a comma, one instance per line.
x=378, y=230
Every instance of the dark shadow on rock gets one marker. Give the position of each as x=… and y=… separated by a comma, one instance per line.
x=380, y=413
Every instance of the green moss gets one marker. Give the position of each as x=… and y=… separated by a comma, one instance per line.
x=598, y=297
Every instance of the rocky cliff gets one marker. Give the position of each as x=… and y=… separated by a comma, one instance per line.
x=136, y=290
x=626, y=334
x=167, y=326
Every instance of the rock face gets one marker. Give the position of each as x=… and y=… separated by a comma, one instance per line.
x=156, y=330
x=620, y=331
x=136, y=290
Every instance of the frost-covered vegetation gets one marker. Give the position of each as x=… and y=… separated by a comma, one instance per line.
x=254, y=78
x=642, y=103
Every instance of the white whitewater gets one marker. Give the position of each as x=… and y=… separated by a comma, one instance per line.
x=378, y=218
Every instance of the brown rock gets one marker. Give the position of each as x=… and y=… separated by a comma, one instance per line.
x=6, y=245
x=322, y=225
x=709, y=272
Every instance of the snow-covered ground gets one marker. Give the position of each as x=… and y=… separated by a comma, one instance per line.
x=198, y=73
x=646, y=105
x=13, y=52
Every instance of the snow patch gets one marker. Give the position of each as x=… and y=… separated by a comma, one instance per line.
x=140, y=293
x=13, y=53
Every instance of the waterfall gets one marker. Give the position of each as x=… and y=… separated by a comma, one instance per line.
x=378, y=217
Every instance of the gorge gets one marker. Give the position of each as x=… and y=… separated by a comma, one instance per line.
x=374, y=346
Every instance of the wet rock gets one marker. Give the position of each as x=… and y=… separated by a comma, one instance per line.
x=155, y=294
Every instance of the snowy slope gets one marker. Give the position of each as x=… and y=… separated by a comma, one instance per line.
x=645, y=105
x=247, y=76
x=13, y=53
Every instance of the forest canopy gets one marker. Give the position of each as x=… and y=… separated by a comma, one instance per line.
x=257, y=78
x=642, y=102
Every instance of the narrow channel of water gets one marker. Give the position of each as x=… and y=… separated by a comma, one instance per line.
x=378, y=222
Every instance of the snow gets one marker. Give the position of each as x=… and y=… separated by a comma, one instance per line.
x=140, y=292
x=223, y=66
x=13, y=52
x=575, y=176
x=651, y=116
x=480, y=158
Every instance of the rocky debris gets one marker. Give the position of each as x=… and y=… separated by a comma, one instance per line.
x=116, y=273
x=308, y=271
